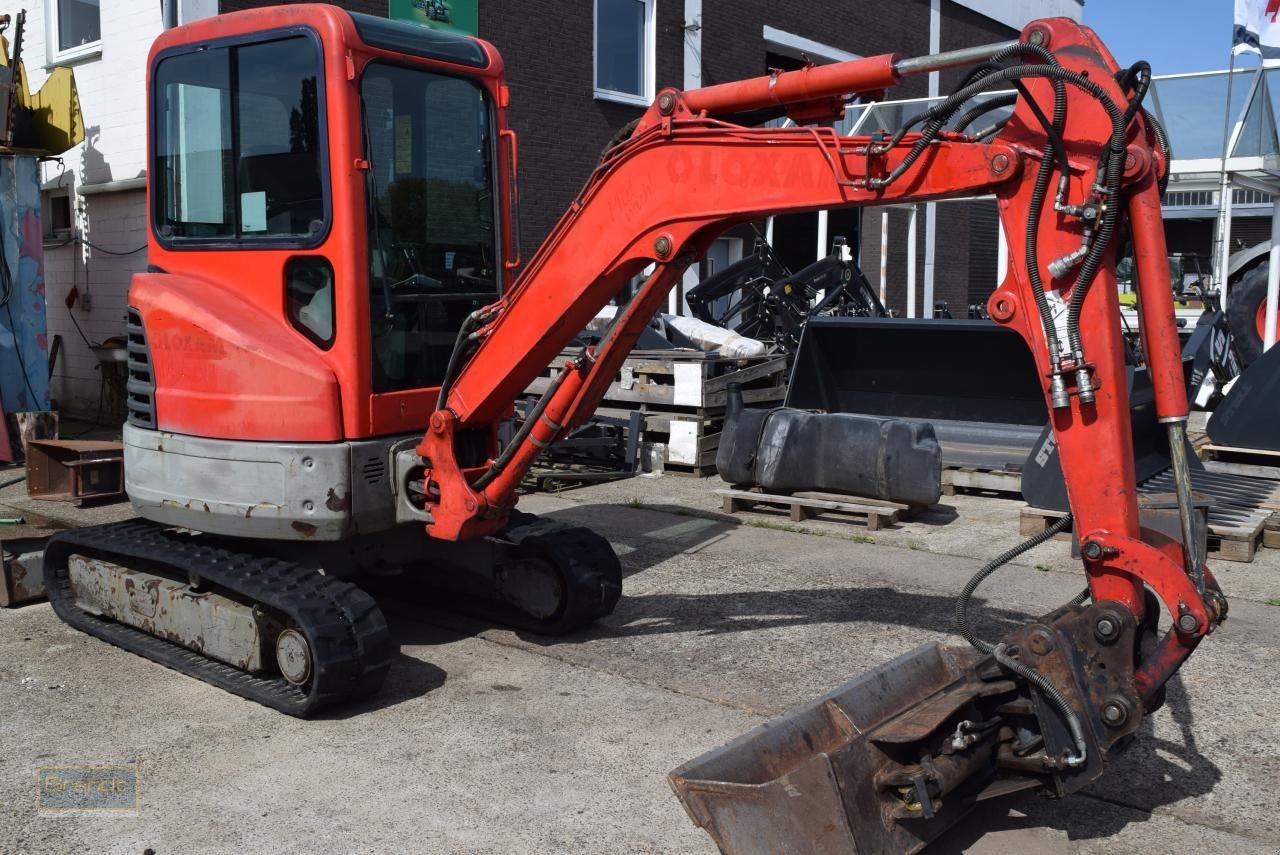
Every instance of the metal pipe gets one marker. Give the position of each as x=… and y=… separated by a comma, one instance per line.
x=790, y=87
x=1273, y=279
x=169, y=13
x=911, y=262
x=1186, y=511
x=949, y=59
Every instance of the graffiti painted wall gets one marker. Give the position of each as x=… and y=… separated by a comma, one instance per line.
x=24, y=346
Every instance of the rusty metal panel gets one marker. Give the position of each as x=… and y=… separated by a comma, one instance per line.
x=210, y=623
x=22, y=571
x=73, y=470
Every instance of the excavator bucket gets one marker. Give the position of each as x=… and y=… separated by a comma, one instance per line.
x=806, y=782
x=890, y=760
x=1246, y=418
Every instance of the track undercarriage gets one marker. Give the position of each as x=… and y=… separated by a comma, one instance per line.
x=285, y=633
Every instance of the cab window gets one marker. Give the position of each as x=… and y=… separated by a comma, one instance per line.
x=430, y=215
x=240, y=144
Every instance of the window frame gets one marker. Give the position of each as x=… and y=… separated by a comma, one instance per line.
x=322, y=108
x=649, y=54
x=53, y=54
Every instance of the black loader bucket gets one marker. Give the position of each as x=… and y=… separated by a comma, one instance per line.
x=809, y=782
x=1247, y=417
x=974, y=381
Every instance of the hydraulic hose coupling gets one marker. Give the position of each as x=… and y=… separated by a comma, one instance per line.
x=1058, y=391
x=1084, y=386
x=1059, y=267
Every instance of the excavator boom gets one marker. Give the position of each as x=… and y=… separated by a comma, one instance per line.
x=889, y=761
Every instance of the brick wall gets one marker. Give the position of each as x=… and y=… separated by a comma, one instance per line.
x=561, y=126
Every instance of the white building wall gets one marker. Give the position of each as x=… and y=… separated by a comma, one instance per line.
x=112, y=88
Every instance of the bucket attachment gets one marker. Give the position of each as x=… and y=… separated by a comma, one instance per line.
x=1247, y=416
x=890, y=760
x=974, y=381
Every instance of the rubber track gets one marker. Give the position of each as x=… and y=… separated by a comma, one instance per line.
x=588, y=565
x=350, y=643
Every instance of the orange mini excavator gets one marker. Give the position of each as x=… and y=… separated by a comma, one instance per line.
x=332, y=327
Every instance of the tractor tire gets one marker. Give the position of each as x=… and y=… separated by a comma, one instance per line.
x=1246, y=314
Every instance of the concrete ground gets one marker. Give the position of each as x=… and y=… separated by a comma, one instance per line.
x=485, y=740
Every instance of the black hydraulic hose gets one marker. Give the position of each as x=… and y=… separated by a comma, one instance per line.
x=976, y=74
x=986, y=107
x=1053, y=72
x=963, y=623
x=1114, y=158
x=1162, y=140
x=500, y=462
x=1137, y=77
x=964, y=627
x=459, y=345
x=984, y=77
x=936, y=117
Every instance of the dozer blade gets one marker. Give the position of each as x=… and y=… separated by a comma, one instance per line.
x=888, y=761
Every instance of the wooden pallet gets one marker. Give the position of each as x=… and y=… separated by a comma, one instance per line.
x=1259, y=462
x=1271, y=531
x=1225, y=542
x=956, y=478
x=872, y=513
x=684, y=381
x=682, y=395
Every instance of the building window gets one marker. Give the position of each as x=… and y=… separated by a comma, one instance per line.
x=75, y=28
x=624, y=50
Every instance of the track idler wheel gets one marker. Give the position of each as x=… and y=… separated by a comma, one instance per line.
x=556, y=578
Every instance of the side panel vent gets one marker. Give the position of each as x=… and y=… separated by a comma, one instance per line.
x=141, y=388
x=374, y=470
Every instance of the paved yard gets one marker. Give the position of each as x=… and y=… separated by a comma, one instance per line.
x=484, y=740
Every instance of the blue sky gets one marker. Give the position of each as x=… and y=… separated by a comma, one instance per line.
x=1173, y=35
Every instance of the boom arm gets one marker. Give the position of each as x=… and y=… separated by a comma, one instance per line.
x=685, y=176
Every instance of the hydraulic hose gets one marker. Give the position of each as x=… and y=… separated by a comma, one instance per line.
x=979, y=79
x=1162, y=140
x=459, y=345
x=500, y=462
x=964, y=628
x=982, y=109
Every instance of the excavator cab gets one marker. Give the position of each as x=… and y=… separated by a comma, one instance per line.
x=328, y=207
x=328, y=203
